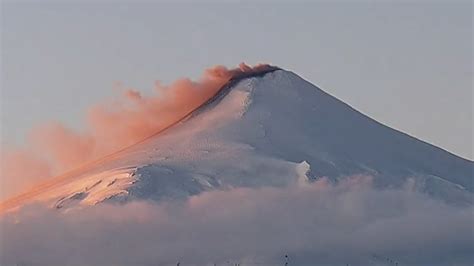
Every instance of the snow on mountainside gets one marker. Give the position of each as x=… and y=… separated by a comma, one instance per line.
x=273, y=129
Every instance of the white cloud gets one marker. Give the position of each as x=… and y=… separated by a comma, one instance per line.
x=349, y=223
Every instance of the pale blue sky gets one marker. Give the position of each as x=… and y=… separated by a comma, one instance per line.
x=406, y=65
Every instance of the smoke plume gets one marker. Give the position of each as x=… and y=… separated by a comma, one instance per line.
x=53, y=148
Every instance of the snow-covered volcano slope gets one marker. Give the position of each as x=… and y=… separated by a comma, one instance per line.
x=270, y=130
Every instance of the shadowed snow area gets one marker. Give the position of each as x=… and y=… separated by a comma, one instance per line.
x=264, y=128
x=273, y=136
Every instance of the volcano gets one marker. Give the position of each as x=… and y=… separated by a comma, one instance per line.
x=266, y=129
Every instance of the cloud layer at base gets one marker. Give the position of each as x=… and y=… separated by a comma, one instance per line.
x=349, y=223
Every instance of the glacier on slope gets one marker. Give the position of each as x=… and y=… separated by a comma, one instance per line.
x=270, y=130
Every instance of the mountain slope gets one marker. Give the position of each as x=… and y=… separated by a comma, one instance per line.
x=270, y=129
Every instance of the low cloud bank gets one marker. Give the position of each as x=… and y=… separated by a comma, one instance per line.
x=53, y=148
x=318, y=224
